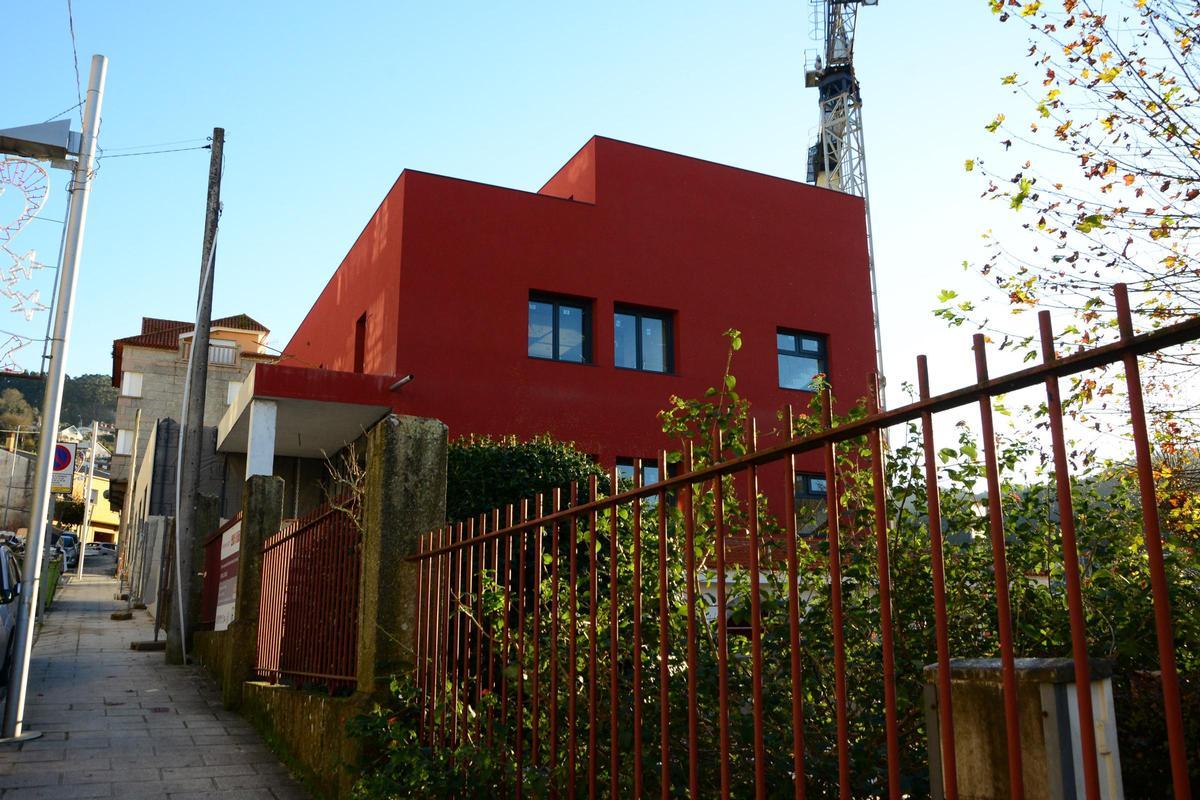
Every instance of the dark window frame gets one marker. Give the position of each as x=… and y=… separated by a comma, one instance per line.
x=821, y=354
x=638, y=313
x=631, y=463
x=555, y=301
x=804, y=490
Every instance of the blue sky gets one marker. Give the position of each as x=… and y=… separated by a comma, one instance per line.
x=325, y=103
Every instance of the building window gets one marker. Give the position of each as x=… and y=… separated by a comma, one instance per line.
x=560, y=329
x=360, y=343
x=625, y=470
x=223, y=352
x=802, y=356
x=231, y=392
x=124, y=443
x=131, y=384
x=810, y=486
x=643, y=340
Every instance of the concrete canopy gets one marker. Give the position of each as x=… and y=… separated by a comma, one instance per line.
x=309, y=413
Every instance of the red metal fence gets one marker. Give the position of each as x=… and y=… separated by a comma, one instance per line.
x=609, y=645
x=212, y=574
x=308, y=609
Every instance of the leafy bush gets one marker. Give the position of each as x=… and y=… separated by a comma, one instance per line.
x=484, y=473
x=1115, y=586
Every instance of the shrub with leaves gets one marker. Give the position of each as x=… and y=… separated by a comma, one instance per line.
x=484, y=473
x=651, y=550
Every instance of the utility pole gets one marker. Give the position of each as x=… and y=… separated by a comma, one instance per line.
x=124, y=555
x=87, y=498
x=81, y=181
x=192, y=427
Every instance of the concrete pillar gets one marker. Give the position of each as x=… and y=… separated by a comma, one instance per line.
x=262, y=513
x=1049, y=719
x=260, y=440
x=405, y=497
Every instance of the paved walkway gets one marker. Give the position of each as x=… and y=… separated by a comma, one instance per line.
x=120, y=723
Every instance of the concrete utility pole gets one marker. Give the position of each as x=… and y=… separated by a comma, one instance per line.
x=87, y=498
x=125, y=557
x=192, y=428
x=81, y=181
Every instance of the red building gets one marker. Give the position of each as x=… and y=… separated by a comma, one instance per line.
x=580, y=309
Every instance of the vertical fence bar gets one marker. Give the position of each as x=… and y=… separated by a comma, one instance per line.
x=506, y=548
x=491, y=657
x=722, y=628
x=793, y=602
x=572, y=601
x=1066, y=516
x=637, y=632
x=613, y=629
x=1159, y=590
x=521, y=647
x=520, y=710
x=941, y=626
x=432, y=638
x=693, y=656
x=664, y=697
x=833, y=526
x=444, y=636
x=456, y=608
x=756, y=665
x=472, y=624
x=878, y=479
x=459, y=681
x=477, y=577
x=1008, y=668
x=419, y=632
x=593, y=603
x=539, y=531
x=552, y=659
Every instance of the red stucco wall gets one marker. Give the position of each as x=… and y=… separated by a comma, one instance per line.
x=720, y=247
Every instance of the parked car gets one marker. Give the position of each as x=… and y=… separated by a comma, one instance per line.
x=10, y=590
x=69, y=543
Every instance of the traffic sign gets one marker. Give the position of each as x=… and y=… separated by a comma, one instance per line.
x=62, y=481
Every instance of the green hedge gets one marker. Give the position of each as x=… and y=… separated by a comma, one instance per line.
x=484, y=473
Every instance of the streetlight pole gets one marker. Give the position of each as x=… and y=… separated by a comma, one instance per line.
x=87, y=498
x=81, y=181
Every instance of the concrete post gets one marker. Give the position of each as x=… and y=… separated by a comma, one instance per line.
x=405, y=497
x=1050, y=744
x=262, y=513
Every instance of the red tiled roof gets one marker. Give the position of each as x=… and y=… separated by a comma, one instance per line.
x=163, y=334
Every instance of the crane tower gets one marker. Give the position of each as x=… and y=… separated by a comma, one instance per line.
x=837, y=159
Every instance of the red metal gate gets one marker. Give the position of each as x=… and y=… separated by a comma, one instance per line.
x=308, y=609
x=551, y=630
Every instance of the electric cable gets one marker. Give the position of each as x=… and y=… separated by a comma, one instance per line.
x=154, y=152
x=75, y=56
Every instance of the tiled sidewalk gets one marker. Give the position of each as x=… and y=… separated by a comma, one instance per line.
x=124, y=724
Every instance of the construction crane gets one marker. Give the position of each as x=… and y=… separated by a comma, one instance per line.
x=837, y=159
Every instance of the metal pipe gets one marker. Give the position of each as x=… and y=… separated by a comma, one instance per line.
x=1066, y=516
x=941, y=626
x=1008, y=669
x=87, y=498
x=1152, y=532
x=18, y=685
